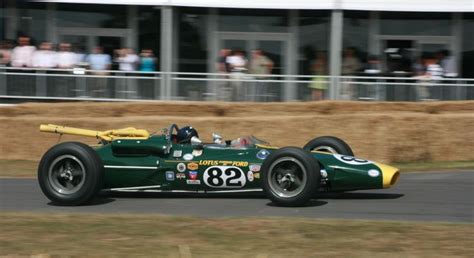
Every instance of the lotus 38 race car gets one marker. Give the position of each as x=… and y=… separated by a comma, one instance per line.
x=129, y=159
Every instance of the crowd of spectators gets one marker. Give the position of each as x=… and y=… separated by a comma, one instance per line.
x=47, y=55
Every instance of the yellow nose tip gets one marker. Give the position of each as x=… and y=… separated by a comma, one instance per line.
x=390, y=175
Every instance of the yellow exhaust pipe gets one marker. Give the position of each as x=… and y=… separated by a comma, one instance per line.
x=390, y=175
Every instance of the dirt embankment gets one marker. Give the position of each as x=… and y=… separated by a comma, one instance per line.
x=388, y=132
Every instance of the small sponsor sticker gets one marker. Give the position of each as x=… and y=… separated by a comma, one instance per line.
x=373, y=173
x=193, y=166
x=188, y=156
x=254, y=167
x=193, y=175
x=181, y=167
x=263, y=154
x=177, y=153
x=180, y=175
x=169, y=175
x=250, y=176
x=256, y=175
x=193, y=182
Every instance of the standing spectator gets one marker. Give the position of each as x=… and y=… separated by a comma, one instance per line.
x=23, y=53
x=22, y=57
x=350, y=65
x=128, y=60
x=66, y=60
x=45, y=57
x=260, y=65
x=448, y=63
x=238, y=67
x=224, y=91
x=99, y=62
x=5, y=53
x=434, y=73
x=319, y=67
x=147, y=61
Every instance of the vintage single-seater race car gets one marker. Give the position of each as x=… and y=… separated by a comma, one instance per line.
x=129, y=159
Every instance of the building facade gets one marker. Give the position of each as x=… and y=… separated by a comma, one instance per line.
x=186, y=36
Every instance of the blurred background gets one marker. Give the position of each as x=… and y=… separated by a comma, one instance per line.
x=236, y=51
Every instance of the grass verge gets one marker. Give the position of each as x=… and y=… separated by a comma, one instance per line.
x=26, y=168
x=171, y=236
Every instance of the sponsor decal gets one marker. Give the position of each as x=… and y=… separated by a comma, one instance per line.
x=180, y=175
x=193, y=166
x=188, y=156
x=351, y=160
x=373, y=173
x=193, y=182
x=223, y=163
x=254, y=167
x=263, y=154
x=193, y=175
x=169, y=175
x=181, y=167
x=177, y=153
x=250, y=176
x=256, y=175
x=224, y=177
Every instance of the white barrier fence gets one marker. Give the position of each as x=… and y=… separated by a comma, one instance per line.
x=82, y=84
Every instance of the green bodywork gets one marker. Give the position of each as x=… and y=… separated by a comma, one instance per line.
x=155, y=164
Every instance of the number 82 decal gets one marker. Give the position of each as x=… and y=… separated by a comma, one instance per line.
x=224, y=177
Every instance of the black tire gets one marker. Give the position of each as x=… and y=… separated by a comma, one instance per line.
x=70, y=173
x=333, y=144
x=305, y=168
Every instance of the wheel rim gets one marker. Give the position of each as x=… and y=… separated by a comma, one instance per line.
x=287, y=177
x=326, y=149
x=66, y=174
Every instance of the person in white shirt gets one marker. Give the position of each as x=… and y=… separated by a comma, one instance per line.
x=45, y=57
x=128, y=60
x=448, y=63
x=238, y=67
x=66, y=58
x=23, y=53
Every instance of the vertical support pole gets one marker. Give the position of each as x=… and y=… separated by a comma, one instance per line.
x=374, y=30
x=11, y=15
x=166, y=55
x=291, y=57
x=335, y=58
x=212, y=49
x=51, y=27
x=132, y=37
x=456, y=47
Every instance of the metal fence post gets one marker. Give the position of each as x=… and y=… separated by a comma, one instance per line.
x=3, y=82
x=335, y=52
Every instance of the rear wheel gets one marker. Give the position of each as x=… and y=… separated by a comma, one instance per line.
x=329, y=144
x=70, y=173
x=290, y=176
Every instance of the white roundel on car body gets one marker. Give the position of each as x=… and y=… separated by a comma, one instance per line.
x=351, y=160
x=373, y=173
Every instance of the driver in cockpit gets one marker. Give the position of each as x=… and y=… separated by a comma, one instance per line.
x=185, y=134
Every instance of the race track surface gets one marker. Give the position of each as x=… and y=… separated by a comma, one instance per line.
x=427, y=196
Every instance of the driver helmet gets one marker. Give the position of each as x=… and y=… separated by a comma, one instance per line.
x=185, y=134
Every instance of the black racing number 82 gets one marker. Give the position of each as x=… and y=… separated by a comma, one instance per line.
x=224, y=177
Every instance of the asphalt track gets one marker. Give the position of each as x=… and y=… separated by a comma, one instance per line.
x=424, y=196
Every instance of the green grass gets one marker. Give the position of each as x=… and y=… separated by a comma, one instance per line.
x=171, y=236
x=25, y=168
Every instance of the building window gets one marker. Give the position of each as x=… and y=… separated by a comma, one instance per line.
x=192, y=35
x=467, y=53
x=149, y=29
x=98, y=16
x=245, y=20
x=408, y=23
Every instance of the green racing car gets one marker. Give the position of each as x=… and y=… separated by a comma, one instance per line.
x=176, y=160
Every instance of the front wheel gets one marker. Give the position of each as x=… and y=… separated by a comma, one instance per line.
x=290, y=176
x=70, y=173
